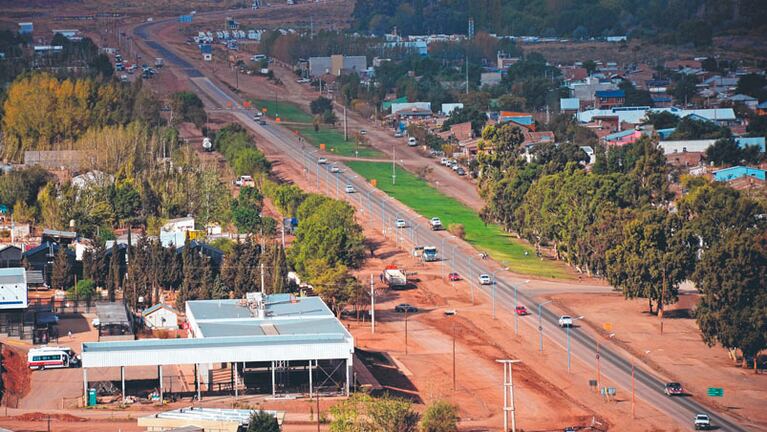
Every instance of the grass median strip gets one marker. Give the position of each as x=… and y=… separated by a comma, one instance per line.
x=288, y=111
x=429, y=202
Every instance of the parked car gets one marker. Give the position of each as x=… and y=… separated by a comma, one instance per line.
x=363, y=132
x=460, y=171
x=245, y=180
x=455, y=166
x=565, y=321
x=702, y=422
x=334, y=169
x=412, y=142
x=400, y=223
x=453, y=277
x=303, y=80
x=398, y=134
x=262, y=122
x=673, y=389
x=485, y=279
x=405, y=307
x=521, y=310
x=349, y=189
x=444, y=161
x=322, y=161
x=436, y=224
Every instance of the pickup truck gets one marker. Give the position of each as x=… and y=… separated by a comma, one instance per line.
x=702, y=422
x=436, y=224
x=245, y=180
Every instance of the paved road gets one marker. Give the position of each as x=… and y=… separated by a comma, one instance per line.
x=506, y=292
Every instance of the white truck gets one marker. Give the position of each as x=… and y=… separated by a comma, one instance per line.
x=159, y=62
x=436, y=224
x=207, y=144
x=394, y=277
x=430, y=254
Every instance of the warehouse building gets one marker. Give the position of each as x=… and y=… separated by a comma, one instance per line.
x=278, y=344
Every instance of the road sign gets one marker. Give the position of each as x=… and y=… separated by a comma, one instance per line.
x=608, y=326
x=715, y=391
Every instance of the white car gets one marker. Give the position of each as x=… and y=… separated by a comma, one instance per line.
x=485, y=279
x=398, y=134
x=412, y=142
x=444, y=161
x=245, y=180
x=349, y=189
x=303, y=80
x=334, y=169
x=363, y=132
x=400, y=223
x=565, y=321
x=322, y=161
x=702, y=422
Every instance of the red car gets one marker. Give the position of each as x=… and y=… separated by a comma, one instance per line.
x=520, y=310
x=452, y=277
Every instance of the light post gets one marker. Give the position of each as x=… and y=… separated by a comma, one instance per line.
x=493, y=288
x=540, y=325
x=471, y=285
x=568, y=342
x=442, y=259
x=449, y=314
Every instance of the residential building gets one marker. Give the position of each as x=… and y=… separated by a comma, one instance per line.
x=621, y=138
x=490, y=79
x=637, y=115
x=448, y=108
x=606, y=99
x=337, y=65
x=160, y=316
x=26, y=28
x=569, y=105
x=748, y=101
x=761, y=109
x=522, y=119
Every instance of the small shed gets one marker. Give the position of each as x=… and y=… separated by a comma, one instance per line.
x=160, y=316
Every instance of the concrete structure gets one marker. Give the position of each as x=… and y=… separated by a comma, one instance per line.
x=636, y=115
x=203, y=419
x=160, y=316
x=683, y=146
x=490, y=79
x=448, y=108
x=174, y=232
x=277, y=336
x=569, y=105
x=336, y=65
x=13, y=288
x=114, y=321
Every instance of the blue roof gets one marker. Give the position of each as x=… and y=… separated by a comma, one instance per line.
x=206, y=49
x=610, y=93
x=569, y=104
x=665, y=133
x=736, y=172
x=618, y=135
x=751, y=141
x=762, y=105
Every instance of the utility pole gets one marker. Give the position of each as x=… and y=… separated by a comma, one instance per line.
x=282, y=229
x=263, y=288
x=508, y=394
x=467, y=74
x=405, y=331
x=372, y=305
x=453, y=355
x=346, y=127
x=633, y=393
x=393, y=165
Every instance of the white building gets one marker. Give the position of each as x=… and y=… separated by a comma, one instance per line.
x=13, y=288
x=160, y=316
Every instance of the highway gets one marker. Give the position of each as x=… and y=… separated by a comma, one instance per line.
x=381, y=208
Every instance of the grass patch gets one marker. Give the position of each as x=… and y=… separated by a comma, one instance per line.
x=334, y=142
x=288, y=111
x=429, y=202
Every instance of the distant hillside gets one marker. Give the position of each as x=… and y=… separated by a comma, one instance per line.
x=673, y=21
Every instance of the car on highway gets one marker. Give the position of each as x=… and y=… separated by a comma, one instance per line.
x=334, y=169
x=262, y=122
x=565, y=321
x=322, y=161
x=257, y=116
x=673, y=389
x=363, y=132
x=436, y=224
x=405, y=307
x=702, y=422
x=398, y=134
x=485, y=279
x=349, y=189
x=453, y=277
x=400, y=223
x=521, y=310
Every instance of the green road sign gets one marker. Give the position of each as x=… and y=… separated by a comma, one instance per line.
x=715, y=391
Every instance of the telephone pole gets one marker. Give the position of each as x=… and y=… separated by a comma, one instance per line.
x=372, y=305
x=263, y=288
x=508, y=394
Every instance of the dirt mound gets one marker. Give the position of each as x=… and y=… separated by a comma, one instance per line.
x=17, y=375
x=38, y=416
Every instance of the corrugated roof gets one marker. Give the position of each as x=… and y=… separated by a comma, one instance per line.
x=610, y=93
x=13, y=275
x=208, y=343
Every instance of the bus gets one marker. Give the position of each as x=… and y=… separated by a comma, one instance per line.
x=52, y=357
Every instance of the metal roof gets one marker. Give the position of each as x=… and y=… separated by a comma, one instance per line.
x=277, y=306
x=14, y=275
x=260, y=327
x=205, y=343
x=112, y=313
x=191, y=414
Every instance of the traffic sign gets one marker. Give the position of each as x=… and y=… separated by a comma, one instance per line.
x=715, y=391
x=608, y=326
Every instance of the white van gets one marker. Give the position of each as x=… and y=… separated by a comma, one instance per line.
x=52, y=357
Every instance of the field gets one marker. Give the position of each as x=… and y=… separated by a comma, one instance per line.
x=288, y=111
x=429, y=202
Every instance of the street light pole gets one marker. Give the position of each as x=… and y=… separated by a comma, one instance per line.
x=540, y=326
x=405, y=331
x=453, y=355
x=516, y=315
x=633, y=393
x=471, y=285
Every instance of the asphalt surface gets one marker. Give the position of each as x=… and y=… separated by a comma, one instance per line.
x=503, y=294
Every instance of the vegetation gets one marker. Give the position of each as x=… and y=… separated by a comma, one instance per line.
x=187, y=107
x=262, y=421
x=428, y=202
x=362, y=412
x=440, y=416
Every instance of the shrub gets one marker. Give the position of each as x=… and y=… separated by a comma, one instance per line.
x=457, y=230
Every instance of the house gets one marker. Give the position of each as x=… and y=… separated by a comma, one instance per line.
x=590, y=153
x=748, y=101
x=606, y=99
x=761, y=109
x=92, y=178
x=175, y=231
x=685, y=159
x=10, y=256
x=448, y=108
x=586, y=89
x=26, y=28
x=637, y=115
x=621, y=138
x=503, y=60
x=160, y=316
x=521, y=119
x=700, y=146
x=61, y=237
x=41, y=258
x=13, y=288
x=461, y=131
x=337, y=65
x=569, y=105
x=737, y=172
x=55, y=159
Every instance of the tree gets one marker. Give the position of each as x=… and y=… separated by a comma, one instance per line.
x=440, y=416
x=655, y=256
x=321, y=105
x=684, y=88
x=84, y=290
x=691, y=128
x=726, y=151
x=262, y=421
x=590, y=66
x=102, y=66
x=246, y=210
x=662, y=119
x=187, y=107
x=62, y=276
x=732, y=277
x=752, y=85
x=115, y=273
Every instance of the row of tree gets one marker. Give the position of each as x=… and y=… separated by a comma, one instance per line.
x=620, y=221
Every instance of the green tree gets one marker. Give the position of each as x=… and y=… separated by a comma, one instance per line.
x=187, y=107
x=62, y=276
x=752, y=85
x=262, y=421
x=732, y=277
x=726, y=151
x=440, y=416
x=320, y=105
x=590, y=66
x=656, y=255
x=246, y=210
x=361, y=412
x=662, y=119
x=684, y=88
x=84, y=290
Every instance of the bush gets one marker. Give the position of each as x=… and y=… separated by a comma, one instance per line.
x=262, y=421
x=440, y=416
x=457, y=230
x=84, y=290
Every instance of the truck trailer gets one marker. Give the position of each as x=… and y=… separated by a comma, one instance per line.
x=394, y=277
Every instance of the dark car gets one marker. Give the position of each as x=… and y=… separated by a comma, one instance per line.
x=673, y=389
x=460, y=171
x=404, y=307
x=452, y=277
